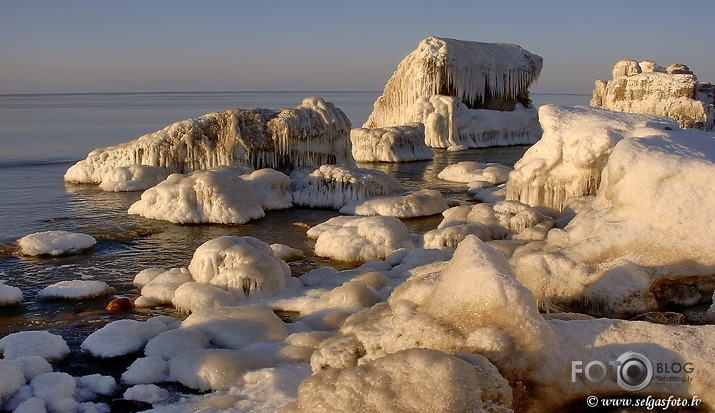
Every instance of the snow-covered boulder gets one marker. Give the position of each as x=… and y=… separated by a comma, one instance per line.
x=309, y=135
x=49, y=346
x=55, y=243
x=132, y=178
x=161, y=289
x=349, y=238
x=646, y=87
x=271, y=187
x=217, y=195
x=75, y=290
x=420, y=203
x=468, y=94
x=9, y=295
x=122, y=337
x=402, y=143
x=332, y=186
x=573, y=151
x=214, y=369
x=471, y=171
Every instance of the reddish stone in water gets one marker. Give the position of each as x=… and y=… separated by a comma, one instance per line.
x=120, y=304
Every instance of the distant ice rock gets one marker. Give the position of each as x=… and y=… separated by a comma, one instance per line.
x=50, y=347
x=648, y=88
x=132, y=178
x=468, y=94
x=348, y=238
x=309, y=135
x=216, y=195
x=390, y=144
x=568, y=159
x=9, y=295
x=332, y=186
x=75, y=290
x=55, y=243
x=424, y=202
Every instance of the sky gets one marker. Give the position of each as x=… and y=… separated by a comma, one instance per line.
x=219, y=45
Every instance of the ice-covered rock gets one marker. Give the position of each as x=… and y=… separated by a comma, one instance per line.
x=416, y=380
x=172, y=342
x=242, y=265
x=466, y=93
x=309, y=135
x=217, y=195
x=75, y=290
x=191, y=296
x=44, y=344
x=648, y=88
x=470, y=171
x=402, y=143
x=332, y=186
x=641, y=236
x=214, y=369
x=147, y=393
x=420, y=203
x=349, y=238
x=286, y=253
x=161, y=289
x=573, y=151
x=121, y=337
x=147, y=370
x=271, y=187
x=132, y=178
x=9, y=295
x=57, y=390
x=55, y=243
x=11, y=378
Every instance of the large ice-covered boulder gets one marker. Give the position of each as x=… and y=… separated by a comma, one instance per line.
x=466, y=93
x=646, y=87
x=390, y=144
x=311, y=134
x=568, y=159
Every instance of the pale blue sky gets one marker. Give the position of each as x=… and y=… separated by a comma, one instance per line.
x=213, y=45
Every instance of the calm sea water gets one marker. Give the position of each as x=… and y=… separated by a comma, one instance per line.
x=42, y=135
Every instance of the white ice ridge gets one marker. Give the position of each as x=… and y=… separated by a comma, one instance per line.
x=459, y=89
x=568, y=159
x=390, y=144
x=646, y=87
x=311, y=134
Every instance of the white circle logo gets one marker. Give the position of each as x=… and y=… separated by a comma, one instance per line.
x=635, y=371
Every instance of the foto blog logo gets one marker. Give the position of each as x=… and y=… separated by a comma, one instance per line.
x=631, y=371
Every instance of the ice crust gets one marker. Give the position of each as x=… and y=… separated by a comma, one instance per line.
x=55, y=243
x=646, y=87
x=309, y=135
x=402, y=143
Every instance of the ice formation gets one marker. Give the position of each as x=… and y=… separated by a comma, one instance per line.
x=122, y=337
x=309, y=135
x=9, y=295
x=49, y=346
x=573, y=151
x=390, y=144
x=466, y=93
x=637, y=245
x=348, y=238
x=272, y=188
x=470, y=171
x=55, y=243
x=217, y=195
x=420, y=203
x=332, y=186
x=75, y=290
x=646, y=87
x=161, y=289
x=132, y=178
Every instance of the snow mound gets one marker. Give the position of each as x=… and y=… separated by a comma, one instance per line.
x=75, y=290
x=215, y=369
x=132, y=178
x=420, y=203
x=359, y=238
x=464, y=92
x=217, y=195
x=55, y=243
x=57, y=390
x=147, y=393
x=242, y=265
x=402, y=143
x=332, y=186
x=146, y=370
x=49, y=346
x=573, y=151
x=9, y=295
x=309, y=135
x=121, y=337
x=237, y=327
x=191, y=296
x=161, y=289
x=272, y=188
x=416, y=380
x=172, y=342
x=648, y=88
x=470, y=171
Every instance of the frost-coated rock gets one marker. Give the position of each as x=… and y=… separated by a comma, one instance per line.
x=420, y=203
x=9, y=295
x=121, y=337
x=75, y=290
x=49, y=346
x=55, y=243
x=132, y=178
x=390, y=144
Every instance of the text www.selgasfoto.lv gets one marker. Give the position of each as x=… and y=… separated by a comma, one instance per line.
x=650, y=403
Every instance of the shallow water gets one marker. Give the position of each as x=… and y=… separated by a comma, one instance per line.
x=42, y=135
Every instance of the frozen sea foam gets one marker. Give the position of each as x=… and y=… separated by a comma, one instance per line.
x=55, y=243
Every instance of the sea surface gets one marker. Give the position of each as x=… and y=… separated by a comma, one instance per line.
x=43, y=135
